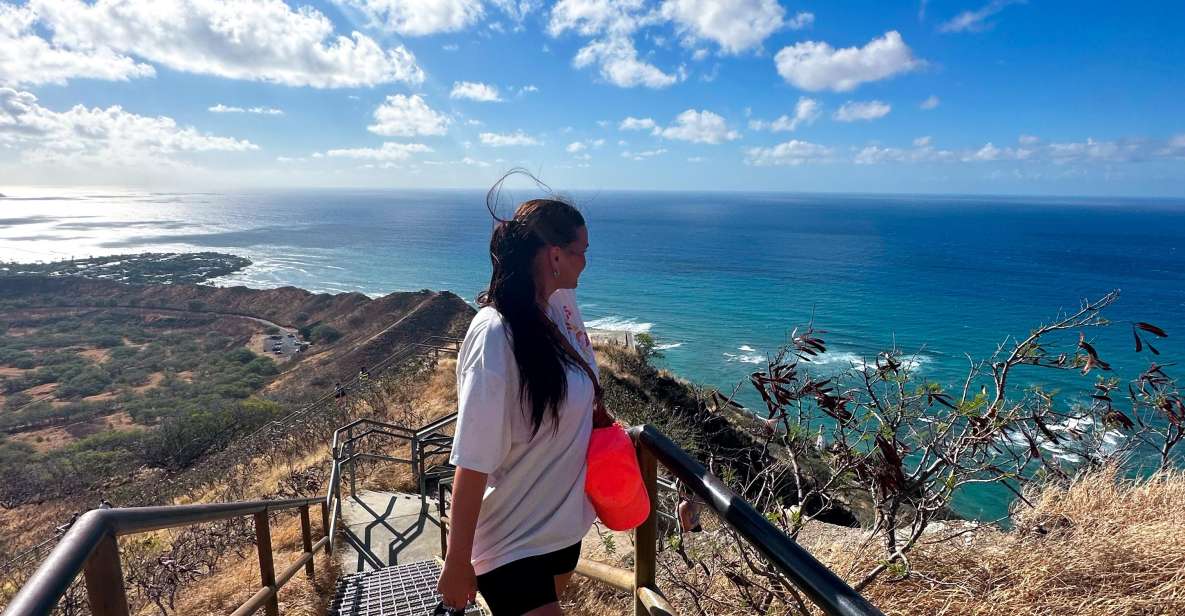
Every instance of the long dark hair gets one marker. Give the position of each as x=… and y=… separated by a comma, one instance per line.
x=541, y=355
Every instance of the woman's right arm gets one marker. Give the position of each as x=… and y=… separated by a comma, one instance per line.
x=458, y=583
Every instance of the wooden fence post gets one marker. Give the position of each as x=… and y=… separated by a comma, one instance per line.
x=645, y=536
x=306, y=535
x=104, y=580
x=267, y=569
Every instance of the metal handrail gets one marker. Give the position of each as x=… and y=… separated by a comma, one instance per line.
x=74, y=552
x=814, y=579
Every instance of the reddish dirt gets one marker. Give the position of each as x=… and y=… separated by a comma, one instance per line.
x=107, y=395
x=41, y=390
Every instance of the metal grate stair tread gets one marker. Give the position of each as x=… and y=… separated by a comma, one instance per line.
x=401, y=590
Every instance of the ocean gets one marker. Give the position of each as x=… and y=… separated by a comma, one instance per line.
x=719, y=279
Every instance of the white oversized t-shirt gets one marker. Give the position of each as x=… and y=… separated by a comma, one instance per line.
x=534, y=501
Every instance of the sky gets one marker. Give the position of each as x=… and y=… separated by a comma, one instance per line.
x=937, y=96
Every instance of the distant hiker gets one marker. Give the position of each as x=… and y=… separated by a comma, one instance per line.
x=363, y=375
x=527, y=398
x=820, y=442
x=104, y=504
x=339, y=392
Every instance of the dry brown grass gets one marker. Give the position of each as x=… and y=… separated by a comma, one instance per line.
x=1102, y=546
x=237, y=578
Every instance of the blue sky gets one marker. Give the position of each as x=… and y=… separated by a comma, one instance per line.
x=989, y=96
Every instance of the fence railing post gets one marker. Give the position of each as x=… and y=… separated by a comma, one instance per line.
x=646, y=535
x=325, y=526
x=353, y=475
x=267, y=569
x=306, y=535
x=104, y=580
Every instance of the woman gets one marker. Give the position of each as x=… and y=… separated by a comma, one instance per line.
x=526, y=392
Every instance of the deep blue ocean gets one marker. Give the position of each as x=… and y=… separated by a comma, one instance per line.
x=719, y=279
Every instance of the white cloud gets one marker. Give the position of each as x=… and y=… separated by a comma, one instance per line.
x=643, y=155
x=390, y=151
x=256, y=40
x=472, y=162
x=699, y=127
x=792, y=153
x=1028, y=140
x=976, y=20
x=619, y=63
x=31, y=60
x=921, y=152
x=862, y=111
x=498, y=140
x=95, y=136
x=419, y=17
x=612, y=24
x=450, y=47
x=801, y=20
x=220, y=108
x=930, y=103
x=990, y=152
x=475, y=92
x=582, y=146
x=407, y=116
x=1032, y=152
x=815, y=66
x=632, y=123
x=735, y=25
x=696, y=159
x=806, y=111
x=528, y=88
x=1100, y=151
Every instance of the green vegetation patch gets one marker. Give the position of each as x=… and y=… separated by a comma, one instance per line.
x=143, y=268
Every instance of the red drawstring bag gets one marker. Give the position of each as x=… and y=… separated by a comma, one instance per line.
x=613, y=481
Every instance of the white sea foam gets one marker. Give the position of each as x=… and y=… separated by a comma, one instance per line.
x=667, y=346
x=851, y=360
x=619, y=324
x=748, y=355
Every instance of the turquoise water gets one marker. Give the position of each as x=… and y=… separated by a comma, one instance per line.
x=718, y=278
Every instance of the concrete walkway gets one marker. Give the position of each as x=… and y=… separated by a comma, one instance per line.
x=391, y=526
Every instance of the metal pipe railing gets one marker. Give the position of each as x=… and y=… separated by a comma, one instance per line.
x=825, y=589
x=89, y=547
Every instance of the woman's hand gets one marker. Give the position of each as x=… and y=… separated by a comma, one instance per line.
x=458, y=584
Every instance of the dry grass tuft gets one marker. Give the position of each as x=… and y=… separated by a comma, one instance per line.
x=1104, y=545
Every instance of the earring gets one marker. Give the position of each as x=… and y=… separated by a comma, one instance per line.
x=555, y=273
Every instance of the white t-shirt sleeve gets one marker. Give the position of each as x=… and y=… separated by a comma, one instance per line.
x=483, y=435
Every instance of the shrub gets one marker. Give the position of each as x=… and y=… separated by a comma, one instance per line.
x=324, y=333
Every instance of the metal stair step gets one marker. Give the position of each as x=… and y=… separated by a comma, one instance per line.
x=401, y=590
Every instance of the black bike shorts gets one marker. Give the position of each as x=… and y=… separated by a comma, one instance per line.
x=525, y=584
